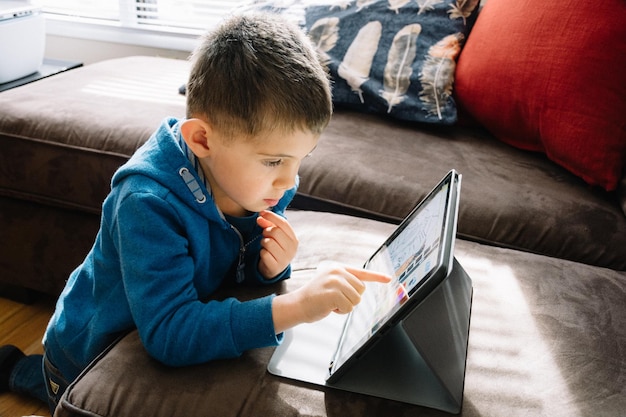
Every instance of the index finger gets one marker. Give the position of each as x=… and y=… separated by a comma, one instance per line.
x=278, y=221
x=368, y=275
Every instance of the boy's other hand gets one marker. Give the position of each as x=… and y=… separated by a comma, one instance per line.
x=334, y=289
x=278, y=245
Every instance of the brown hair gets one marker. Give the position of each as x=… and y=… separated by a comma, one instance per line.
x=258, y=73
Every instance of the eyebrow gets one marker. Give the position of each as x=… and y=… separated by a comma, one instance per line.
x=284, y=155
x=278, y=155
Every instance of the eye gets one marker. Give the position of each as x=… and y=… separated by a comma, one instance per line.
x=273, y=163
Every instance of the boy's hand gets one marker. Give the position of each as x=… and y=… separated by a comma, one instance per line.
x=278, y=245
x=336, y=289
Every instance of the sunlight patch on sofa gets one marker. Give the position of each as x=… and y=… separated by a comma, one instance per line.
x=509, y=363
x=139, y=88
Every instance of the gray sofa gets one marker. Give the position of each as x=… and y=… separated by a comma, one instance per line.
x=546, y=253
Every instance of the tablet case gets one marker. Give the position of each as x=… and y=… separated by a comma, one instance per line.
x=421, y=360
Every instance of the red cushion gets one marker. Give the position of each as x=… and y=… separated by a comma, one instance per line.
x=550, y=76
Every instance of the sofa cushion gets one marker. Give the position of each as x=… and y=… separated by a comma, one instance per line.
x=377, y=167
x=42, y=244
x=63, y=137
x=537, y=346
x=546, y=76
x=396, y=58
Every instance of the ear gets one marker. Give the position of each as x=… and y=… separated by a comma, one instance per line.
x=197, y=134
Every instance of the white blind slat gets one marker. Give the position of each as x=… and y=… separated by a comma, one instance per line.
x=149, y=14
x=182, y=13
x=96, y=9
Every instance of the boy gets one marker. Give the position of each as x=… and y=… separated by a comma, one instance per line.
x=200, y=204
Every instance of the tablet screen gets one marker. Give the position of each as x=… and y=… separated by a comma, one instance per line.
x=410, y=256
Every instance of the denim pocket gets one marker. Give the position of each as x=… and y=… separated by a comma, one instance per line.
x=56, y=384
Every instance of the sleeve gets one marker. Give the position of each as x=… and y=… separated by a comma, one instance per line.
x=175, y=327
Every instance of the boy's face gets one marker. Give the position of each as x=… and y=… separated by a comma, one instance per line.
x=252, y=175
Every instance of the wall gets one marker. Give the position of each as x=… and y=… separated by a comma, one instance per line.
x=89, y=51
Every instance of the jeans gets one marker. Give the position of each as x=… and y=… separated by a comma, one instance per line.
x=37, y=377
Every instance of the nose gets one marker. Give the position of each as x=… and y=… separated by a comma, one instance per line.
x=286, y=178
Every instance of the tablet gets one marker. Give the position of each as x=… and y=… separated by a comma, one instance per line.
x=418, y=256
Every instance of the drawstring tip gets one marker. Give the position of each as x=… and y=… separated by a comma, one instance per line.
x=240, y=273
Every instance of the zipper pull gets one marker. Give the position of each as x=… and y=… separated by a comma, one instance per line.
x=241, y=265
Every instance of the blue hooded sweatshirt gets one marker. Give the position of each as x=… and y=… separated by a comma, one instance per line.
x=162, y=249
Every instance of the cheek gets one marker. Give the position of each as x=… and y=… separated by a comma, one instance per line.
x=251, y=181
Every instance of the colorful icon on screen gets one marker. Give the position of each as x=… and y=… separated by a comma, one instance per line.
x=401, y=294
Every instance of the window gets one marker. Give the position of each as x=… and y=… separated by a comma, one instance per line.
x=169, y=23
x=105, y=9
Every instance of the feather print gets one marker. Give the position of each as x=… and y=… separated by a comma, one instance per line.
x=396, y=5
x=325, y=33
x=357, y=62
x=340, y=4
x=427, y=5
x=438, y=73
x=462, y=9
x=274, y=4
x=362, y=4
x=398, y=70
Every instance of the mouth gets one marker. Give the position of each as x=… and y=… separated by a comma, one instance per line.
x=271, y=202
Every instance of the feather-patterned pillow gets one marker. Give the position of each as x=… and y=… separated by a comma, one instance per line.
x=396, y=57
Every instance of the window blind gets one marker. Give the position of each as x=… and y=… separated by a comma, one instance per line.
x=187, y=14
x=95, y=9
x=184, y=16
